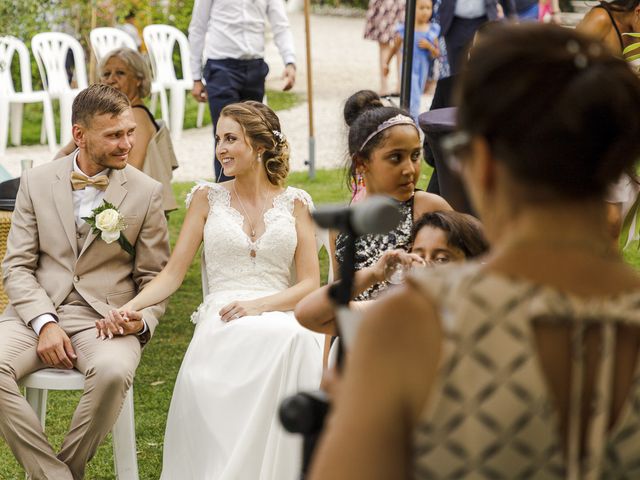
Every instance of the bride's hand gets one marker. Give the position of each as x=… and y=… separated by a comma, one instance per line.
x=235, y=310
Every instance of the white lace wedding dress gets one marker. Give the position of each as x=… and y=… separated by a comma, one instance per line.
x=223, y=421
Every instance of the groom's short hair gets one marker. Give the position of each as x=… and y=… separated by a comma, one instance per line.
x=95, y=100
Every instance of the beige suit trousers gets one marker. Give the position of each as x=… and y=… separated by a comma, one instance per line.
x=109, y=367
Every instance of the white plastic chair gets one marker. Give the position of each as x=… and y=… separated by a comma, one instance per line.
x=50, y=50
x=11, y=102
x=160, y=41
x=124, y=431
x=105, y=39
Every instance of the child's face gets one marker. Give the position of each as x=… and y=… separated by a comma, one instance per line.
x=393, y=167
x=424, y=10
x=433, y=246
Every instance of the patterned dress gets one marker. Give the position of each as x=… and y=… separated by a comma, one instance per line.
x=382, y=17
x=491, y=414
x=369, y=248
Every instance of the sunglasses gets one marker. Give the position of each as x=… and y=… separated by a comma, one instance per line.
x=455, y=147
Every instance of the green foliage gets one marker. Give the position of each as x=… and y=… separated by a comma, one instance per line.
x=20, y=17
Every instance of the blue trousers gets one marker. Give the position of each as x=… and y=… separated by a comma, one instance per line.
x=230, y=81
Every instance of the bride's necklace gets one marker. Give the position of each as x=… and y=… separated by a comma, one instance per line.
x=252, y=252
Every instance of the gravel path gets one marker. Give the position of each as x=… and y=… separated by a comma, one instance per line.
x=343, y=62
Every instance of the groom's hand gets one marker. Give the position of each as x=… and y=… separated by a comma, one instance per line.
x=54, y=347
x=119, y=323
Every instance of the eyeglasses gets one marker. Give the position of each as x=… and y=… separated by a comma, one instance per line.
x=454, y=147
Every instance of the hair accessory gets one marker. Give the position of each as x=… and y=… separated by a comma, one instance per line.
x=580, y=60
x=279, y=135
x=399, y=119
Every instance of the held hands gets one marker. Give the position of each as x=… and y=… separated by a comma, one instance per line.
x=54, y=347
x=235, y=310
x=119, y=322
x=289, y=77
x=199, y=92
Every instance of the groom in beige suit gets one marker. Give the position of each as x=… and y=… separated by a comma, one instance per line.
x=61, y=278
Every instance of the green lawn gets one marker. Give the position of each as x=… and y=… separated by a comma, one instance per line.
x=161, y=360
x=33, y=114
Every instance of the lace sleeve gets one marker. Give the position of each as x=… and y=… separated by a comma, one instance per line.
x=215, y=192
x=294, y=194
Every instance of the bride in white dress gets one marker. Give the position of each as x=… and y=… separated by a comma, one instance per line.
x=248, y=351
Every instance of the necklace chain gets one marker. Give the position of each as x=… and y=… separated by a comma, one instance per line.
x=251, y=227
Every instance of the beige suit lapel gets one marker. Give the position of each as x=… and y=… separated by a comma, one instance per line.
x=114, y=194
x=61, y=191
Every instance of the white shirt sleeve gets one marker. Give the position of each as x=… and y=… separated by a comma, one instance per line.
x=40, y=321
x=281, y=31
x=197, y=33
x=144, y=328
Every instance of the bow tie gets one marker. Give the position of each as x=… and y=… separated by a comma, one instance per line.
x=80, y=181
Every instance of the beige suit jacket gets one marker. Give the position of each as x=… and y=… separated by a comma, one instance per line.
x=42, y=264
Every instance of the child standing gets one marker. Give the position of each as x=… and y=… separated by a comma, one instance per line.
x=425, y=51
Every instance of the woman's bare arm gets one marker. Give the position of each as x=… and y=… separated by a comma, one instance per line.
x=368, y=435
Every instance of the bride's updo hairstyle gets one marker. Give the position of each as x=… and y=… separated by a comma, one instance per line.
x=558, y=110
x=363, y=113
x=261, y=126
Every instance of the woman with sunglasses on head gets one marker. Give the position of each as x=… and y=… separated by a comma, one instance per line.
x=525, y=365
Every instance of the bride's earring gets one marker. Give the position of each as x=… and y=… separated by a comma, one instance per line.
x=259, y=157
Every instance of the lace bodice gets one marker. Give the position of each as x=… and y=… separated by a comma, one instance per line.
x=232, y=272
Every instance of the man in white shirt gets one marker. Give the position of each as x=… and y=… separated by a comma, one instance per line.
x=460, y=19
x=231, y=34
x=61, y=276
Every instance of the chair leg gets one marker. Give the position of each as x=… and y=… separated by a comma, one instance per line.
x=4, y=125
x=153, y=103
x=37, y=398
x=124, y=442
x=16, y=123
x=66, y=102
x=164, y=108
x=200, y=117
x=177, y=112
x=48, y=125
x=43, y=132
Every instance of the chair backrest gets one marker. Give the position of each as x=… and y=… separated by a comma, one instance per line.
x=105, y=39
x=50, y=50
x=160, y=41
x=8, y=47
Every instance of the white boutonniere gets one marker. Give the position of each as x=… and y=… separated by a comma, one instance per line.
x=109, y=223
